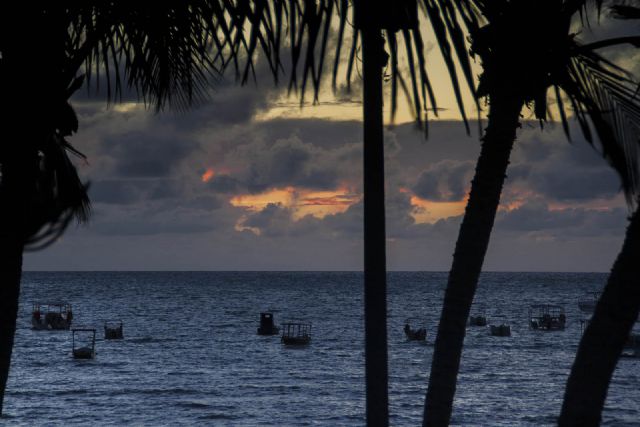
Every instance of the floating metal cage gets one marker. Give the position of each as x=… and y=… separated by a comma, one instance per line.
x=296, y=333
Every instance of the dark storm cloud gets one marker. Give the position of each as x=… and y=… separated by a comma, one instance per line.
x=224, y=184
x=275, y=221
x=284, y=163
x=537, y=217
x=147, y=169
x=317, y=132
x=349, y=224
x=401, y=224
x=428, y=186
x=266, y=217
x=537, y=159
x=142, y=154
x=224, y=101
x=546, y=163
x=206, y=203
x=129, y=191
x=444, y=181
x=159, y=189
x=114, y=192
x=291, y=162
x=197, y=215
x=577, y=184
x=99, y=88
x=229, y=105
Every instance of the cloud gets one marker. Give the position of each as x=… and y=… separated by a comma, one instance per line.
x=129, y=191
x=447, y=180
x=572, y=184
x=291, y=162
x=561, y=223
x=146, y=173
x=197, y=215
x=113, y=192
x=143, y=154
x=224, y=184
x=545, y=163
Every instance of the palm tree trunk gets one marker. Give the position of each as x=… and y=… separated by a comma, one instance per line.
x=471, y=247
x=604, y=339
x=11, y=246
x=16, y=163
x=375, y=274
x=10, y=272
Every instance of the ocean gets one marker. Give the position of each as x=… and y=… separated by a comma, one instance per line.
x=191, y=355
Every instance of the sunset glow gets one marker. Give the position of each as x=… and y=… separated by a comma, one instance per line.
x=301, y=202
x=322, y=203
x=208, y=175
x=241, y=227
x=257, y=202
x=429, y=212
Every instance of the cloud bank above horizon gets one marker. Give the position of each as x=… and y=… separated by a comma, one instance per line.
x=217, y=188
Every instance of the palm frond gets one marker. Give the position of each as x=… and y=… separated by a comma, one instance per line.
x=309, y=23
x=59, y=195
x=604, y=97
x=165, y=51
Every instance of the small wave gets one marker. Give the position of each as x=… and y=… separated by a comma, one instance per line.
x=225, y=325
x=194, y=405
x=79, y=391
x=162, y=391
x=540, y=419
x=235, y=312
x=217, y=416
x=66, y=392
x=39, y=363
x=146, y=340
x=276, y=389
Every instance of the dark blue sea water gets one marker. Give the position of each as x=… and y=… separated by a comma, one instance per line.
x=191, y=355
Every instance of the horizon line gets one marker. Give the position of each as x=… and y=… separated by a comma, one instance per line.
x=305, y=271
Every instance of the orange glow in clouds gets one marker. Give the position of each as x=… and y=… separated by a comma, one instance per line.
x=301, y=202
x=207, y=175
x=427, y=211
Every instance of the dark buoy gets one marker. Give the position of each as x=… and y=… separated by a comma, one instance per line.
x=267, y=327
x=113, y=330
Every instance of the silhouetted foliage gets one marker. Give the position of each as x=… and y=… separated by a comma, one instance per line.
x=161, y=50
x=166, y=52
x=527, y=48
x=618, y=306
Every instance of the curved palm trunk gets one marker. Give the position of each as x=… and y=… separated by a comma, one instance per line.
x=604, y=339
x=10, y=272
x=12, y=216
x=375, y=274
x=471, y=247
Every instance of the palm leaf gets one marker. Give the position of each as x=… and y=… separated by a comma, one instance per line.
x=604, y=96
x=308, y=25
x=163, y=51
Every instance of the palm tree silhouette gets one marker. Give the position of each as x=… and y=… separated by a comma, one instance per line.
x=525, y=48
x=370, y=22
x=605, y=337
x=163, y=51
x=613, y=318
x=160, y=50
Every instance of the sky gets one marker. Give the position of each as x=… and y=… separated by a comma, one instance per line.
x=250, y=181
